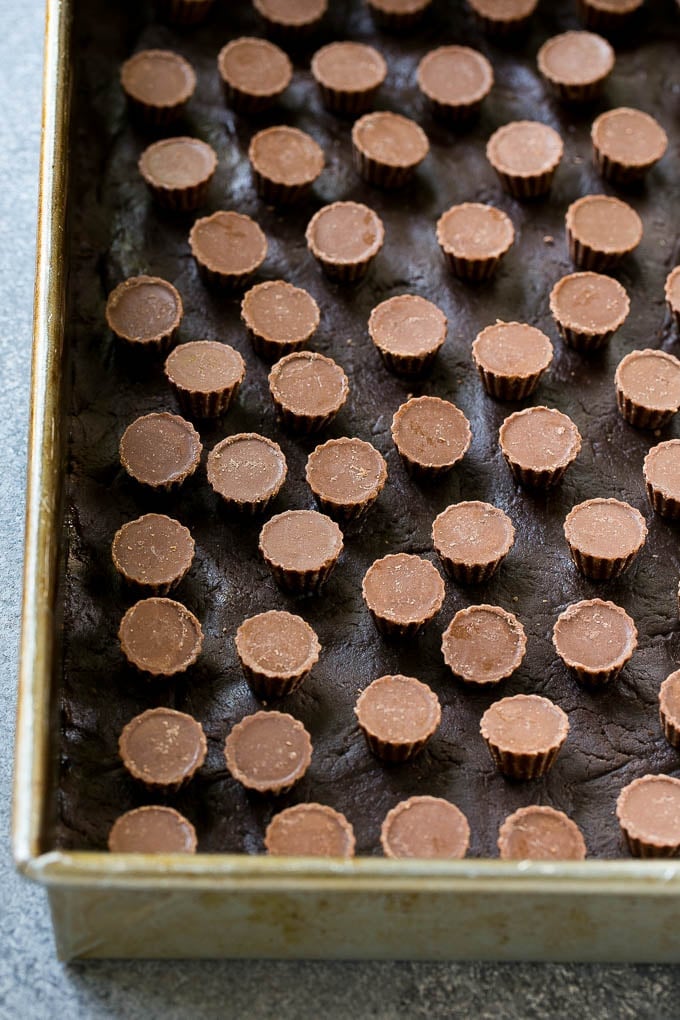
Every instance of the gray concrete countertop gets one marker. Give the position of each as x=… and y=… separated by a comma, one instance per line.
x=32, y=983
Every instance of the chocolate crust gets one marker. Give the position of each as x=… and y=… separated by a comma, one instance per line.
x=117, y=232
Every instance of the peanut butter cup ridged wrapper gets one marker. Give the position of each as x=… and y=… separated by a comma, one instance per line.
x=524, y=734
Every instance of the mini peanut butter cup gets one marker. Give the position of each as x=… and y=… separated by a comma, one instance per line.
x=610, y=16
x=154, y=552
x=228, y=247
x=160, y=636
x=205, y=376
x=431, y=435
x=601, y=230
x=254, y=73
x=348, y=75
x=158, y=85
x=291, y=20
x=604, y=537
x=472, y=539
x=576, y=64
x=648, y=388
x=308, y=390
x=163, y=748
x=285, y=163
x=276, y=651
x=344, y=238
x=152, y=830
x=301, y=547
x=184, y=12
x=403, y=592
x=538, y=833
x=525, y=154
x=247, y=470
x=346, y=476
x=648, y=810
x=503, y=18
x=310, y=830
x=160, y=450
x=511, y=357
x=455, y=80
x=539, y=444
x=588, y=309
x=397, y=15
x=661, y=472
x=483, y=644
x=178, y=172
x=397, y=715
x=594, y=639
x=268, y=752
x=387, y=148
x=669, y=708
x=474, y=238
x=524, y=734
x=672, y=292
x=279, y=317
x=627, y=143
x=407, y=331
x=145, y=312
x=428, y=828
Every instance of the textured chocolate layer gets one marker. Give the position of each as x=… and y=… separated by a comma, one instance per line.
x=116, y=231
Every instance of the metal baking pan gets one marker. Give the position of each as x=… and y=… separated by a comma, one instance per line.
x=229, y=905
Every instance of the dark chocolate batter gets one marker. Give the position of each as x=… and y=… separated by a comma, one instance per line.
x=116, y=231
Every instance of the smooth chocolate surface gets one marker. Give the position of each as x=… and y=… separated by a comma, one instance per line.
x=346, y=472
x=204, y=366
x=474, y=230
x=160, y=636
x=629, y=136
x=398, y=710
x=473, y=532
x=525, y=148
x=153, y=550
x=246, y=468
x=425, y=827
x=143, y=308
x=162, y=747
x=277, y=643
x=651, y=379
x=605, y=528
x=407, y=324
x=595, y=634
x=347, y=66
x=539, y=833
x=158, y=78
x=178, y=162
x=521, y=724
x=286, y=155
x=455, y=75
x=291, y=13
x=280, y=313
x=483, y=644
x=152, y=830
x=390, y=139
x=605, y=224
x=160, y=449
x=115, y=231
x=649, y=811
x=403, y=588
x=255, y=66
x=576, y=58
x=310, y=830
x=589, y=302
x=268, y=751
x=513, y=349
